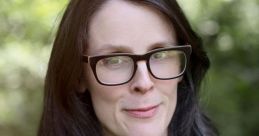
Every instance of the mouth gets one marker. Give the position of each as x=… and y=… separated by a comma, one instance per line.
x=143, y=113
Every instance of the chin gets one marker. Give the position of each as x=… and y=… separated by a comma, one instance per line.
x=150, y=132
x=146, y=129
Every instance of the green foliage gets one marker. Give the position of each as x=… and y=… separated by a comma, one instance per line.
x=230, y=32
x=26, y=32
x=229, y=29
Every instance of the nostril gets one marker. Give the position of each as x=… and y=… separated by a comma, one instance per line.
x=143, y=88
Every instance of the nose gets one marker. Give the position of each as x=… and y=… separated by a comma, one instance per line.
x=141, y=81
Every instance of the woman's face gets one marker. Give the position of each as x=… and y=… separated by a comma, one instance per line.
x=145, y=105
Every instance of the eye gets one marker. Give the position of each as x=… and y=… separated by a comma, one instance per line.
x=160, y=55
x=112, y=60
x=116, y=62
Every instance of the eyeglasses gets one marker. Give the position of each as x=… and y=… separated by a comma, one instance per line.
x=119, y=68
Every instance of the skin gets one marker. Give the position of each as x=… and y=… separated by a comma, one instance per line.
x=121, y=26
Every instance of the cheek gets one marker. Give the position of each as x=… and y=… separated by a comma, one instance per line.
x=106, y=104
x=168, y=89
x=103, y=97
x=108, y=95
x=105, y=101
x=102, y=93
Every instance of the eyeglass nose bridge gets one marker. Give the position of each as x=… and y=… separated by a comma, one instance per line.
x=139, y=58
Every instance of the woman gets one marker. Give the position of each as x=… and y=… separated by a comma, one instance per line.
x=125, y=68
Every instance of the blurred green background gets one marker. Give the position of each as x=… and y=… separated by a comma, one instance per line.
x=230, y=29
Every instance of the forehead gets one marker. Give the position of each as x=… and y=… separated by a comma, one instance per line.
x=126, y=24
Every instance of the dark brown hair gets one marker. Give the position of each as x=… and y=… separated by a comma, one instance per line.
x=70, y=113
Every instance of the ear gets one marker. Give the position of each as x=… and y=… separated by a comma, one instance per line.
x=82, y=85
x=180, y=79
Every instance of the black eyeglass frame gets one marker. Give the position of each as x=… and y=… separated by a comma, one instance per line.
x=187, y=49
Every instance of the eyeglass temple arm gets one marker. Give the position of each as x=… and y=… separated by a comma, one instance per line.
x=85, y=58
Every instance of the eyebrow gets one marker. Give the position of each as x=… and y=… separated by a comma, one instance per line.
x=112, y=48
x=161, y=45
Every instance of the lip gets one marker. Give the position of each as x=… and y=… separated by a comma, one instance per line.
x=143, y=113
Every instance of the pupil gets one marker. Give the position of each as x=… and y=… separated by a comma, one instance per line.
x=159, y=55
x=114, y=61
x=111, y=61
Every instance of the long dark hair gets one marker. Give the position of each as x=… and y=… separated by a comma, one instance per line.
x=70, y=113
